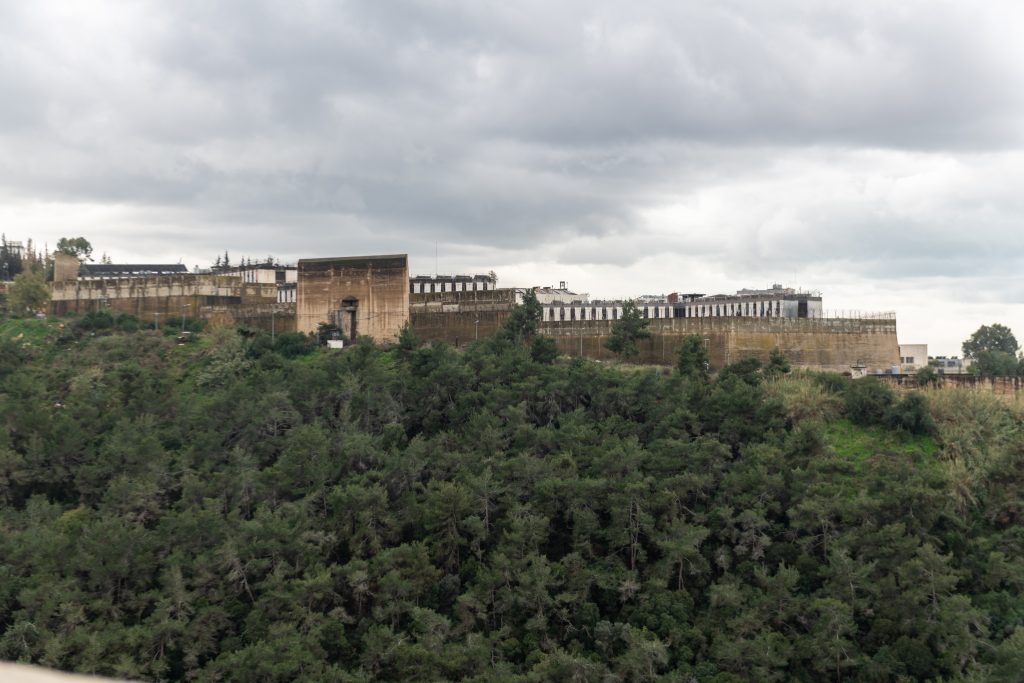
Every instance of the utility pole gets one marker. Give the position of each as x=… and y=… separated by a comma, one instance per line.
x=183, y=307
x=476, y=324
x=271, y=325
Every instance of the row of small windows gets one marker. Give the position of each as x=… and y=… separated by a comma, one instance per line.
x=757, y=309
x=764, y=309
x=602, y=313
x=431, y=288
x=253, y=276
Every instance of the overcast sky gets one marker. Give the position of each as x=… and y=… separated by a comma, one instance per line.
x=869, y=150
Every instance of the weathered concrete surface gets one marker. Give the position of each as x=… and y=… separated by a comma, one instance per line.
x=23, y=673
x=277, y=317
x=826, y=344
x=159, y=295
x=459, y=317
x=367, y=293
x=1004, y=387
x=65, y=267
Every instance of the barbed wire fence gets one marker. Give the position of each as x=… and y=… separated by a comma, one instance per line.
x=854, y=314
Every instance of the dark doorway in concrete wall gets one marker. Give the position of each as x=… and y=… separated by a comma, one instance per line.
x=801, y=308
x=346, y=316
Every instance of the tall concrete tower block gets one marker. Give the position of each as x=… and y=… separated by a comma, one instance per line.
x=362, y=295
x=65, y=267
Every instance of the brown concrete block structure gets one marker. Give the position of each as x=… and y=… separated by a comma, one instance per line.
x=362, y=295
x=65, y=267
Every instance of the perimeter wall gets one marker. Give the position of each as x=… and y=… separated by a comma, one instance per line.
x=1004, y=387
x=827, y=344
x=221, y=299
x=459, y=317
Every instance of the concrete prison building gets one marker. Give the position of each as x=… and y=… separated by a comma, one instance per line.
x=362, y=295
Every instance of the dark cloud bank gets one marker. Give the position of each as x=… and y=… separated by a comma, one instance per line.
x=761, y=137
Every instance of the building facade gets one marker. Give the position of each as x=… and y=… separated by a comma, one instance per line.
x=913, y=357
x=952, y=365
x=361, y=295
x=435, y=284
x=777, y=302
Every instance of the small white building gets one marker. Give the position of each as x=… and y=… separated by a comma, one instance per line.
x=775, y=302
x=913, y=357
x=559, y=295
x=267, y=273
x=951, y=365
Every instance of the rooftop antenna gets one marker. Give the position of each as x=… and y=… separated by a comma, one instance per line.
x=435, y=258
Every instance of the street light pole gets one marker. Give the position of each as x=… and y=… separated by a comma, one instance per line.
x=183, y=307
x=271, y=325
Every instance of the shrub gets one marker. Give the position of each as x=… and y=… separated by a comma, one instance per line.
x=127, y=322
x=96, y=320
x=804, y=398
x=926, y=377
x=747, y=370
x=543, y=350
x=911, y=415
x=832, y=381
x=778, y=364
x=294, y=344
x=868, y=401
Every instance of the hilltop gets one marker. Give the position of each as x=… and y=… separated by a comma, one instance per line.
x=244, y=508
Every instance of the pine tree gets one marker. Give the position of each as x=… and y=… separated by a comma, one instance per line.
x=627, y=330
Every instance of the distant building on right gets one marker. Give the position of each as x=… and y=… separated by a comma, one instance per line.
x=951, y=365
x=775, y=302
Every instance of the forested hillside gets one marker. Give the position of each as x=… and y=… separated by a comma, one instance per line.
x=245, y=509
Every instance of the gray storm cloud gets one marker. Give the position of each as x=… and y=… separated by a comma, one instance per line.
x=754, y=138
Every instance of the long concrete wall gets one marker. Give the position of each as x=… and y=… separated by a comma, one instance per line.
x=459, y=317
x=160, y=296
x=275, y=317
x=1004, y=387
x=829, y=344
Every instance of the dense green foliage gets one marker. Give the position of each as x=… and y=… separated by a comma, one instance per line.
x=994, y=350
x=630, y=328
x=10, y=259
x=248, y=509
x=692, y=360
x=27, y=294
x=994, y=337
x=79, y=247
